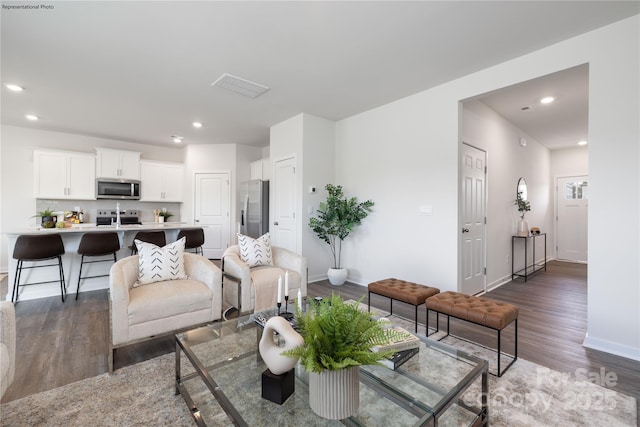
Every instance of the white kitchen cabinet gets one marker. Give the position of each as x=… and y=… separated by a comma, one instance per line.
x=161, y=182
x=117, y=164
x=64, y=175
x=261, y=169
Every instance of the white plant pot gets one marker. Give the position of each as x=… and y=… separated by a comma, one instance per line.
x=337, y=276
x=335, y=395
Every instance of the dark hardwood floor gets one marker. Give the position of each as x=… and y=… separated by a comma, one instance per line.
x=61, y=343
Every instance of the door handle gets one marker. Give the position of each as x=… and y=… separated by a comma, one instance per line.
x=275, y=223
x=465, y=230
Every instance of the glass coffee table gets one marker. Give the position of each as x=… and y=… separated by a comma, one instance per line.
x=220, y=380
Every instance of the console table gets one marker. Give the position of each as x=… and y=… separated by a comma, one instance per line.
x=528, y=269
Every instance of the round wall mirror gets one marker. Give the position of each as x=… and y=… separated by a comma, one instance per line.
x=522, y=189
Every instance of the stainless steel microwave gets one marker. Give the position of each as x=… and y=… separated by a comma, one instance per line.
x=123, y=189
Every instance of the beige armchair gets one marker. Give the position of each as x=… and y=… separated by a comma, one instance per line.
x=143, y=312
x=258, y=285
x=7, y=345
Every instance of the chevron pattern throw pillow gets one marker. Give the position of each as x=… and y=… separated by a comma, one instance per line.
x=255, y=252
x=158, y=264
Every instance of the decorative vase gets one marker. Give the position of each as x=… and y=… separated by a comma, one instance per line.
x=523, y=228
x=48, y=222
x=160, y=218
x=337, y=276
x=335, y=395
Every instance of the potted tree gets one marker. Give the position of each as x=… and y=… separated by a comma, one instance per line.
x=337, y=217
x=337, y=339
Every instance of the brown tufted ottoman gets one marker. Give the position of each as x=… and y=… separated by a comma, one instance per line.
x=408, y=292
x=481, y=311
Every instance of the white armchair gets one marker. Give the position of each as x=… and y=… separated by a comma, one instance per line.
x=7, y=345
x=262, y=278
x=143, y=312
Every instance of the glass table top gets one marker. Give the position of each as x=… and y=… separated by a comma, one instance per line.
x=223, y=362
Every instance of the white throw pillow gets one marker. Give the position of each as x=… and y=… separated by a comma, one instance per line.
x=158, y=264
x=255, y=252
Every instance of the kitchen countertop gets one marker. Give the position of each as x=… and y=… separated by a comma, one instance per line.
x=87, y=227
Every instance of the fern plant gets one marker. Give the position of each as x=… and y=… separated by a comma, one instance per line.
x=336, y=336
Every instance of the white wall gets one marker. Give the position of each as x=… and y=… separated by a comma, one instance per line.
x=507, y=162
x=18, y=203
x=570, y=162
x=405, y=154
x=318, y=171
x=311, y=140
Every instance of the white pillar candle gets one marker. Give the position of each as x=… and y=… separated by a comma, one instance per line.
x=279, y=289
x=286, y=284
x=300, y=299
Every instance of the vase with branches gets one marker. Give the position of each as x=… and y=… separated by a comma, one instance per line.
x=524, y=206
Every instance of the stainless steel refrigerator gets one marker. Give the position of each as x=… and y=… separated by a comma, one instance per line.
x=254, y=212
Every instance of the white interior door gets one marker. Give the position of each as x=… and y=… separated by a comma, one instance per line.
x=211, y=211
x=473, y=219
x=285, y=199
x=572, y=217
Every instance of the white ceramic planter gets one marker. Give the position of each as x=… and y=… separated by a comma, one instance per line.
x=335, y=395
x=337, y=276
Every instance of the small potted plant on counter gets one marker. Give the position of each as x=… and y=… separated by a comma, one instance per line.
x=46, y=216
x=164, y=215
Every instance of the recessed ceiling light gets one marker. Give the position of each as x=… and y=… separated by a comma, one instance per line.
x=14, y=87
x=197, y=124
x=177, y=139
x=547, y=100
x=32, y=117
x=582, y=142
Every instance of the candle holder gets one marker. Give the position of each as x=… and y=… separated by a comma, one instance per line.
x=279, y=304
x=286, y=313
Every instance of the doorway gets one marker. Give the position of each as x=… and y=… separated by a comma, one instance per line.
x=473, y=224
x=284, y=227
x=211, y=211
x=572, y=198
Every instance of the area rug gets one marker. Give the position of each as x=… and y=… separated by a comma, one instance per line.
x=143, y=395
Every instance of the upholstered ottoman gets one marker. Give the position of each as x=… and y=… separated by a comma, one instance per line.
x=492, y=314
x=401, y=290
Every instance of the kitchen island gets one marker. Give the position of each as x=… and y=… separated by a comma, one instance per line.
x=71, y=260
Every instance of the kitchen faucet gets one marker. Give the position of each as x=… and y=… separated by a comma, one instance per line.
x=117, y=215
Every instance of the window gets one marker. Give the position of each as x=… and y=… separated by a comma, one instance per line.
x=576, y=190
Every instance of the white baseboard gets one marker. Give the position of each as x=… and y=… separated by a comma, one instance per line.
x=497, y=283
x=622, y=350
x=317, y=278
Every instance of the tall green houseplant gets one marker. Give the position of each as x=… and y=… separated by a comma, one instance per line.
x=336, y=219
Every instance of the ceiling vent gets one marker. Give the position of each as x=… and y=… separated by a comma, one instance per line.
x=241, y=86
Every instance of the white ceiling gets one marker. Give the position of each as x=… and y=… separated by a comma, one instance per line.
x=560, y=124
x=142, y=71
